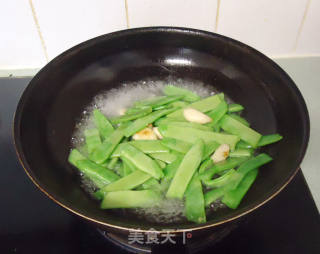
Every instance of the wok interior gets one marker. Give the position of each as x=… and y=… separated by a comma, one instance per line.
x=56, y=97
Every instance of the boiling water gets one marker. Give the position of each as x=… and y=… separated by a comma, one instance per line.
x=111, y=103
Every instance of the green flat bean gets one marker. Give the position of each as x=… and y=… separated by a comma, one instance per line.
x=192, y=135
x=187, y=94
x=130, y=199
x=171, y=169
x=151, y=184
x=128, y=117
x=102, y=123
x=221, y=166
x=240, y=152
x=209, y=148
x=213, y=195
x=203, y=105
x=205, y=165
x=235, y=127
x=269, y=139
x=230, y=176
x=141, y=123
x=233, y=198
x=189, y=125
x=128, y=182
x=235, y=108
x=159, y=101
x=103, y=151
x=92, y=139
x=194, y=202
x=176, y=145
x=240, y=119
x=99, y=175
x=141, y=161
x=165, y=157
x=161, y=163
x=146, y=146
x=217, y=113
x=112, y=163
x=128, y=167
x=185, y=171
x=243, y=144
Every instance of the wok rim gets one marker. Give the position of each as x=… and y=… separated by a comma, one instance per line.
x=279, y=187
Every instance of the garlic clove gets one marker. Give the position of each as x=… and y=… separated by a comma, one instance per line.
x=122, y=111
x=196, y=116
x=145, y=134
x=221, y=153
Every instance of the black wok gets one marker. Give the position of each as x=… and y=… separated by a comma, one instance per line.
x=56, y=96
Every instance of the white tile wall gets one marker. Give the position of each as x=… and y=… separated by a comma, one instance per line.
x=20, y=46
x=200, y=14
x=309, y=41
x=67, y=23
x=274, y=27
x=270, y=26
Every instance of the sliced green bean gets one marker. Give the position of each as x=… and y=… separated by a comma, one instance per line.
x=240, y=119
x=141, y=123
x=176, y=145
x=151, y=184
x=185, y=171
x=102, y=123
x=194, y=202
x=235, y=108
x=135, y=110
x=233, y=198
x=209, y=148
x=269, y=139
x=146, y=146
x=221, y=166
x=128, y=167
x=99, y=175
x=227, y=178
x=179, y=104
x=141, y=161
x=192, y=135
x=203, y=105
x=208, y=163
x=112, y=163
x=92, y=139
x=159, y=101
x=171, y=169
x=187, y=94
x=253, y=163
x=75, y=156
x=217, y=113
x=165, y=157
x=130, y=199
x=243, y=144
x=128, y=117
x=167, y=120
x=240, y=152
x=128, y=182
x=103, y=152
x=235, y=127
x=213, y=195
x=161, y=163
x=189, y=125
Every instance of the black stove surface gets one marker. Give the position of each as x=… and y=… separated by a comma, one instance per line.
x=31, y=223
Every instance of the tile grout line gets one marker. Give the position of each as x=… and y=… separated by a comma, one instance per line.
x=127, y=13
x=217, y=16
x=301, y=25
x=35, y=19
